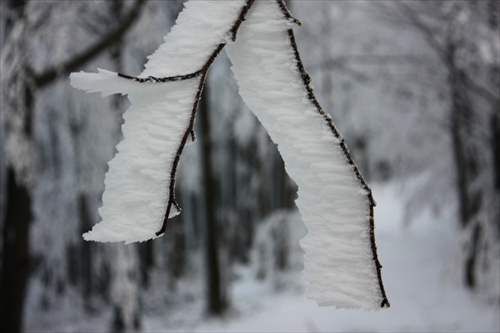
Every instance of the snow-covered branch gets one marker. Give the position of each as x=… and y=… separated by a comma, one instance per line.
x=336, y=204
x=229, y=16
x=306, y=80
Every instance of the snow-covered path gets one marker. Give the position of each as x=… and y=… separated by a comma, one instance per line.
x=417, y=272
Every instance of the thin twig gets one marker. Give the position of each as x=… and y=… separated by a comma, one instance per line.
x=241, y=18
x=153, y=79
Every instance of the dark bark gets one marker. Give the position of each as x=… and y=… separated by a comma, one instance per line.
x=16, y=222
x=146, y=262
x=467, y=168
x=15, y=254
x=495, y=145
x=216, y=300
x=461, y=120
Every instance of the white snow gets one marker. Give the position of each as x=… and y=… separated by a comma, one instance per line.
x=418, y=276
x=417, y=271
x=198, y=30
x=137, y=183
x=339, y=263
x=338, y=260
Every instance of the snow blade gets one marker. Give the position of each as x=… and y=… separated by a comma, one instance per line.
x=340, y=261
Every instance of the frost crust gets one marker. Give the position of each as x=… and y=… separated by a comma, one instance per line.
x=137, y=182
x=338, y=260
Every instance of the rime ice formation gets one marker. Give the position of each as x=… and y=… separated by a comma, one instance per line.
x=340, y=261
x=334, y=204
x=137, y=183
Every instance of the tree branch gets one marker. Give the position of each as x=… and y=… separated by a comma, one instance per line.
x=190, y=129
x=370, y=202
x=189, y=132
x=287, y=13
x=203, y=72
x=153, y=79
x=64, y=69
x=241, y=18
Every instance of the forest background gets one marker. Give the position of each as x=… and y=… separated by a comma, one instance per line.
x=412, y=86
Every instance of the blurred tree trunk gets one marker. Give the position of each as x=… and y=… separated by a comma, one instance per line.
x=467, y=168
x=177, y=255
x=15, y=253
x=495, y=122
x=125, y=289
x=15, y=241
x=216, y=296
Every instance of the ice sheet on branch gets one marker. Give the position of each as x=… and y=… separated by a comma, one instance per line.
x=137, y=183
x=335, y=207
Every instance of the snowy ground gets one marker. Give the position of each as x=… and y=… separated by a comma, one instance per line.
x=418, y=278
